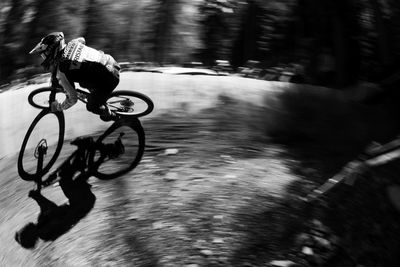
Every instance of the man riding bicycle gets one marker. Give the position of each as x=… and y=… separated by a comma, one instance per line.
x=76, y=62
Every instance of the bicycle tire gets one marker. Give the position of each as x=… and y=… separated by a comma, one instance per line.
x=22, y=170
x=137, y=128
x=43, y=94
x=131, y=95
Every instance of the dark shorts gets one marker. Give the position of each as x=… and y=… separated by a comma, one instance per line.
x=106, y=79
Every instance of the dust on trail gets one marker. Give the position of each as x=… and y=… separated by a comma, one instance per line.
x=204, y=204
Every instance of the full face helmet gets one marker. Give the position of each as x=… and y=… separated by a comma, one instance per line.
x=49, y=47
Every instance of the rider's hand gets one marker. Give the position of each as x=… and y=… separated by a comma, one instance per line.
x=53, y=106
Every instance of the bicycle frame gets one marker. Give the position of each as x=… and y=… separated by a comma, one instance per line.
x=81, y=94
x=124, y=103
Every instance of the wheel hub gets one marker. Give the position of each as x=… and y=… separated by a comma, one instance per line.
x=41, y=148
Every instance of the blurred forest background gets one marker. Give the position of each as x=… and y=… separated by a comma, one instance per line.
x=332, y=42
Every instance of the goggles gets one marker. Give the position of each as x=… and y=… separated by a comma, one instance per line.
x=39, y=48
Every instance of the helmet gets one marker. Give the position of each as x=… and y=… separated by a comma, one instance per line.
x=49, y=47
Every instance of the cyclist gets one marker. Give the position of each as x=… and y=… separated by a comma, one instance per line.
x=75, y=62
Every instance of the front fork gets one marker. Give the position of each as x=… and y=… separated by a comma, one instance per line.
x=52, y=96
x=40, y=152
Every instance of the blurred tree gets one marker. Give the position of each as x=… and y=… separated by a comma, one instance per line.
x=276, y=30
x=394, y=21
x=11, y=37
x=160, y=28
x=379, y=37
x=188, y=42
x=218, y=27
x=97, y=29
x=247, y=46
x=330, y=31
x=128, y=21
x=352, y=33
x=381, y=24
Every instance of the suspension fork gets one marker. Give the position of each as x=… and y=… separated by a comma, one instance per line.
x=52, y=97
x=41, y=151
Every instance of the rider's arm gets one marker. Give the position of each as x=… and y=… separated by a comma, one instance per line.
x=70, y=91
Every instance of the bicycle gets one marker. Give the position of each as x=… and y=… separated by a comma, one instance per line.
x=128, y=105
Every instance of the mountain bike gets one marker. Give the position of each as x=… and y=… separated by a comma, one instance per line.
x=127, y=105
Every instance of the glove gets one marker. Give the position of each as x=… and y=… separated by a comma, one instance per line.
x=54, y=106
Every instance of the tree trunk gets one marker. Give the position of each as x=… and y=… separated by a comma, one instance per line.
x=9, y=42
x=384, y=50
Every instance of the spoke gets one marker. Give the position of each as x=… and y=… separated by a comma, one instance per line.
x=113, y=106
x=121, y=98
x=116, y=101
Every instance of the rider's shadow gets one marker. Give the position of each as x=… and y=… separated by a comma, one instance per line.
x=55, y=220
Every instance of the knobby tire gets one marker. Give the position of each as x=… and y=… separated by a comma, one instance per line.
x=61, y=130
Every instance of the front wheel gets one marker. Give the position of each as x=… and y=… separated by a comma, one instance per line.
x=47, y=128
x=133, y=141
x=130, y=103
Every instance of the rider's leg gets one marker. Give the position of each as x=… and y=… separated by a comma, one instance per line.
x=44, y=203
x=107, y=80
x=97, y=99
x=96, y=103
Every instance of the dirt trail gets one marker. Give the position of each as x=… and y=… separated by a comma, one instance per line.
x=211, y=203
x=223, y=197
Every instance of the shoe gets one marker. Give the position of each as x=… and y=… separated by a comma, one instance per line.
x=108, y=115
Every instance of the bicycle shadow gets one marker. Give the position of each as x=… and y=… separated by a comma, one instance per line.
x=55, y=220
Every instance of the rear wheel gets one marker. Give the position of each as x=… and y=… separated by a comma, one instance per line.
x=39, y=98
x=47, y=129
x=133, y=141
x=130, y=103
